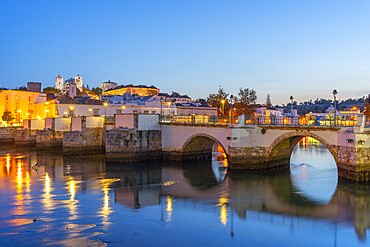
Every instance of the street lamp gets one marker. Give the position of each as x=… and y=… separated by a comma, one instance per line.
x=291, y=103
x=71, y=109
x=223, y=106
x=105, y=108
x=231, y=108
x=90, y=112
x=123, y=108
x=161, y=113
x=335, y=92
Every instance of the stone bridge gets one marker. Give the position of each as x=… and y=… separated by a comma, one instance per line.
x=266, y=147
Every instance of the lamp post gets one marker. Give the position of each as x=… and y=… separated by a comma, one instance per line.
x=123, y=108
x=231, y=108
x=105, y=109
x=335, y=92
x=291, y=103
x=223, y=107
x=90, y=112
x=160, y=115
x=71, y=109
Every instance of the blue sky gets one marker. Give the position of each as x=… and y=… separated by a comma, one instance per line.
x=299, y=48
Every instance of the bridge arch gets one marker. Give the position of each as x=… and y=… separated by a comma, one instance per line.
x=200, y=145
x=282, y=147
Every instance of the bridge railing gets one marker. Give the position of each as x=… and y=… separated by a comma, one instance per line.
x=296, y=121
x=193, y=119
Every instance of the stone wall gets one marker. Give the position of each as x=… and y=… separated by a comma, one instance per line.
x=87, y=141
x=127, y=145
x=25, y=137
x=49, y=139
x=7, y=135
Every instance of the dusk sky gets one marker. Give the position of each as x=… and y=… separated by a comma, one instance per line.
x=299, y=48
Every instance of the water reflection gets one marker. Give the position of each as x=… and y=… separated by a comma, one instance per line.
x=87, y=202
x=313, y=171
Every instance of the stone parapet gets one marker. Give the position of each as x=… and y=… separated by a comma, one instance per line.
x=87, y=141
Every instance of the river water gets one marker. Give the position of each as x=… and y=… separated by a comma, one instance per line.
x=51, y=200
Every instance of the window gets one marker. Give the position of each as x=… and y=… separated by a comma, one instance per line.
x=134, y=111
x=146, y=112
x=118, y=112
x=153, y=112
x=96, y=112
x=6, y=97
x=29, y=98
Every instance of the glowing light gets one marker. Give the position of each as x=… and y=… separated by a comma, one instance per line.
x=71, y=108
x=169, y=208
x=19, y=111
x=72, y=189
x=105, y=104
x=222, y=203
x=8, y=158
x=168, y=183
x=38, y=117
x=47, y=187
x=123, y=107
x=90, y=109
x=19, y=177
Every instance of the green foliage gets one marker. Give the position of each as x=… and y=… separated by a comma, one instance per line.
x=7, y=116
x=367, y=107
x=216, y=99
x=96, y=90
x=51, y=90
x=268, y=101
x=247, y=96
x=23, y=88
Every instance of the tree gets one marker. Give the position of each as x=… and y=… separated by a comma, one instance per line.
x=22, y=88
x=219, y=100
x=7, y=116
x=246, y=97
x=96, y=90
x=51, y=90
x=268, y=100
x=367, y=107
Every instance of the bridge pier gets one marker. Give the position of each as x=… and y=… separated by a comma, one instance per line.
x=268, y=148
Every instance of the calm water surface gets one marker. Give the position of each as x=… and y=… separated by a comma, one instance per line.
x=48, y=199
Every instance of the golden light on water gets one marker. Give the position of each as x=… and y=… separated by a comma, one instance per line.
x=169, y=208
x=72, y=203
x=47, y=199
x=222, y=203
x=8, y=158
x=72, y=189
x=19, y=177
x=47, y=187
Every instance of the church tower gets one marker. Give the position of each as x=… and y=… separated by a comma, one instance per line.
x=79, y=82
x=59, y=83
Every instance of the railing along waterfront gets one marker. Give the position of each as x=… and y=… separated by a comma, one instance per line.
x=260, y=121
x=296, y=121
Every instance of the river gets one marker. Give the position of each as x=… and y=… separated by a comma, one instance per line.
x=54, y=200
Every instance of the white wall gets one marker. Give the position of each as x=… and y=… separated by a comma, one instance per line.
x=125, y=121
x=148, y=122
x=62, y=124
x=94, y=122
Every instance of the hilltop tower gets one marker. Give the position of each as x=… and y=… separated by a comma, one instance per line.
x=79, y=82
x=59, y=83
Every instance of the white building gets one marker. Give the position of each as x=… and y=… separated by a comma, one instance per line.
x=59, y=83
x=108, y=85
x=79, y=82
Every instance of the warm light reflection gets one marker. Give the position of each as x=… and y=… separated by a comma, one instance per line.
x=47, y=200
x=106, y=210
x=72, y=189
x=47, y=187
x=222, y=203
x=72, y=205
x=19, y=177
x=169, y=208
x=8, y=158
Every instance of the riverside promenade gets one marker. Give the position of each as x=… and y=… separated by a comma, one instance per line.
x=247, y=145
